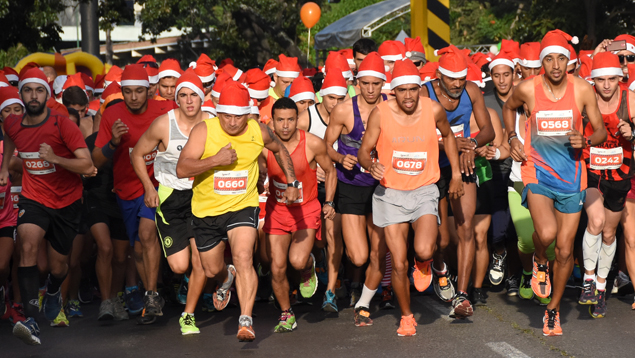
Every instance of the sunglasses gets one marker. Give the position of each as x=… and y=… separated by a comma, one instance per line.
x=151, y=64
x=208, y=84
x=419, y=63
x=571, y=71
x=629, y=58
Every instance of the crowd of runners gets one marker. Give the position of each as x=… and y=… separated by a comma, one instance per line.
x=379, y=171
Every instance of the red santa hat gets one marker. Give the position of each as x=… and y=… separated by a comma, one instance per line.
x=475, y=74
x=512, y=48
x=257, y=82
x=502, y=58
x=530, y=55
x=34, y=75
x=574, y=56
x=88, y=82
x=586, y=64
x=606, y=64
x=99, y=84
x=8, y=96
x=225, y=62
x=288, y=67
x=151, y=66
x=134, y=75
x=336, y=61
x=630, y=42
x=452, y=62
x=631, y=79
x=405, y=73
x=301, y=89
x=334, y=83
x=386, y=85
x=209, y=107
x=347, y=53
x=429, y=71
x=190, y=80
x=58, y=84
x=392, y=50
x=309, y=72
x=4, y=81
x=11, y=74
x=113, y=75
x=74, y=81
x=253, y=108
x=414, y=48
x=233, y=72
x=270, y=66
x=480, y=59
x=234, y=100
x=27, y=67
x=204, y=68
x=556, y=41
x=113, y=88
x=170, y=68
x=221, y=79
x=372, y=65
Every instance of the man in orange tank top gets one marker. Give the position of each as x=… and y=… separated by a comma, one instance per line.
x=291, y=228
x=553, y=169
x=403, y=131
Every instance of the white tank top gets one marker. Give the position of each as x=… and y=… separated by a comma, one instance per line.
x=165, y=162
x=317, y=125
x=515, y=173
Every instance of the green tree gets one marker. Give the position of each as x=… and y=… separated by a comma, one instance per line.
x=31, y=23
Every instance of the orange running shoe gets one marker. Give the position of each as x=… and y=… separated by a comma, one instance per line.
x=540, y=283
x=551, y=324
x=245, y=330
x=407, y=326
x=422, y=275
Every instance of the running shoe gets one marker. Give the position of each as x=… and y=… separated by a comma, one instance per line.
x=443, y=286
x=73, y=309
x=479, y=298
x=633, y=305
x=85, y=293
x=540, y=283
x=106, y=311
x=16, y=314
x=512, y=285
x=188, y=325
x=208, y=303
x=387, y=300
x=321, y=270
x=461, y=307
x=542, y=301
x=223, y=294
x=551, y=322
x=340, y=289
x=60, y=320
x=362, y=317
x=28, y=331
x=589, y=295
x=330, y=302
x=181, y=293
x=134, y=300
x=118, y=311
x=153, y=304
x=286, y=322
x=497, y=268
x=245, y=330
x=598, y=310
x=422, y=274
x=40, y=296
x=52, y=305
x=525, y=291
x=356, y=294
x=407, y=326
x=264, y=285
x=6, y=308
x=309, y=279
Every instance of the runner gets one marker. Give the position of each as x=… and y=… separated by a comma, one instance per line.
x=205, y=69
x=152, y=68
x=403, y=131
x=415, y=52
x=361, y=49
x=355, y=188
x=553, y=171
x=529, y=63
x=610, y=167
x=287, y=69
x=460, y=99
x=257, y=82
x=225, y=198
x=121, y=127
x=391, y=51
x=54, y=155
x=302, y=93
x=169, y=73
x=291, y=227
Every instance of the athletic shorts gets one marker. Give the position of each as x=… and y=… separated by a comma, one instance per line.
x=564, y=203
x=132, y=211
x=211, y=230
x=8, y=231
x=614, y=192
x=322, y=195
x=116, y=225
x=446, y=176
x=392, y=206
x=483, y=199
x=61, y=225
x=173, y=219
x=353, y=199
x=631, y=193
x=283, y=220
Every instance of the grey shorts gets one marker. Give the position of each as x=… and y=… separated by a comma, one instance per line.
x=392, y=206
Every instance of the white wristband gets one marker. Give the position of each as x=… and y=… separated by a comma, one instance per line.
x=497, y=155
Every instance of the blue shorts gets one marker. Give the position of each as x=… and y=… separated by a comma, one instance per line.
x=132, y=211
x=564, y=203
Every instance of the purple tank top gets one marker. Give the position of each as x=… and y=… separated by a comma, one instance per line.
x=349, y=144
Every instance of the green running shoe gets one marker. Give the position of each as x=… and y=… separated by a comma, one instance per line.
x=309, y=281
x=542, y=301
x=525, y=291
x=286, y=322
x=60, y=320
x=188, y=325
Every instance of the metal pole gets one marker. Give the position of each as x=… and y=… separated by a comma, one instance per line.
x=77, y=27
x=90, y=27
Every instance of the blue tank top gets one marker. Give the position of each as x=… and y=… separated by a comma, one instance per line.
x=349, y=144
x=459, y=119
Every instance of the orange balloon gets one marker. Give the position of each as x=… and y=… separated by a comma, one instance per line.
x=310, y=14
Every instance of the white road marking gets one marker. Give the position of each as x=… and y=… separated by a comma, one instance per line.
x=506, y=350
x=442, y=310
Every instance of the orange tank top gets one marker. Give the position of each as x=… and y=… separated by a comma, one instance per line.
x=410, y=153
x=303, y=173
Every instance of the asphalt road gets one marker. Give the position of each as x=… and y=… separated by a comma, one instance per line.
x=506, y=327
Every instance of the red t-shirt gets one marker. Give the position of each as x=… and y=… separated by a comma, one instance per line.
x=127, y=184
x=44, y=182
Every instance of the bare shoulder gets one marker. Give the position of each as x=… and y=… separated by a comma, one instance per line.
x=314, y=142
x=583, y=86
x=473, y=90
x=342, y=110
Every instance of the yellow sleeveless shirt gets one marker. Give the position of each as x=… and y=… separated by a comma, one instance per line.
x=232, y=187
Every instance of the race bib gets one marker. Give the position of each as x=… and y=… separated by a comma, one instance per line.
x=2, y=197
x=230, y=182
x=15, y=195
x=457, y=130
x=282, y=187
x=606, y=159
x=35, y=165
x=409, y=163
x=554, y=123
x=148, y=158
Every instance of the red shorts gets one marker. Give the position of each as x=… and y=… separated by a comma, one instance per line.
x=283, y=220
x=631, y=193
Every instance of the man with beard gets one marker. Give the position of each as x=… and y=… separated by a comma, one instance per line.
x=54, y=155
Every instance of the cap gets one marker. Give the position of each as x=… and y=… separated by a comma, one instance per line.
x=204, y=68
x=257, y=82
x=405, y=73
x=190, y=80
x=556, y=41
x=113, y=88
x=232, y=71
x=452, y=62
x=270, y=66
x=606, y=64
x=34, y=75
x=221, y=79
x=392, y=50
x=288, y=67
x=234, y=100
x=334, y=83
x=530, y=55
x=11, y=74
x=8, y=96
x=170, y=68
x=502, y=58
x=336, y=61
x=429, y=71
x=630, y=42
x=301, y=89
x=372, y=65
x=58, y=84
x=414, y=49
x=134, y=75
x=113, y=75
x=88, y=82
x=99, y=84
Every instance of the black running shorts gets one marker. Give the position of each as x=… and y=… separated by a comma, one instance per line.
x=211, y=230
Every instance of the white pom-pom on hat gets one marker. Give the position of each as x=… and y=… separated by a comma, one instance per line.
x=192, y=64
x=575, y=40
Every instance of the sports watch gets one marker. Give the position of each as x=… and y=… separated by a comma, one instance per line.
x=294, y=184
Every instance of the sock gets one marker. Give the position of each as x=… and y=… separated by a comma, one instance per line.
x=54, y=283
x=364, y=299
x=526, y=273
x=29, y=280
x=590, y=250
x=589, y=277
x=601, y=286
x=607, y=253
x=442, y=271
x=245, y=320
x=185, y=314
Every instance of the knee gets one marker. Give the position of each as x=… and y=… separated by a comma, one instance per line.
x=242, y=259
x=298, y=262
x=400, y=267
x=596, y=224
x=212, y=269
x=546, y=234
x=105, y=250
x=358, y=258
x=28, y=249
x=425, y=251
x=179, y=268
x=148, y=235
x=563, y=255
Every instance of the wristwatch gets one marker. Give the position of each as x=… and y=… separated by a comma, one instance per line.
x=330, y=203
x=473, y=140
x=294, y=184
x=588, y=141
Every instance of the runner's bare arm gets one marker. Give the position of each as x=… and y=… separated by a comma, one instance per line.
x=15, y=165
x=489, y=151
x=150, y=139
x=333, y=131
x=452, y=151
x=280, y=152
x=262, y=171
x=486, y=133
x=81, y=164
x=516, y=100
x=113, y=133
x=369, y=141
x=190, y=163
x=304, y=121
x=8, y=147
x=317, y=146
x=589, y=101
